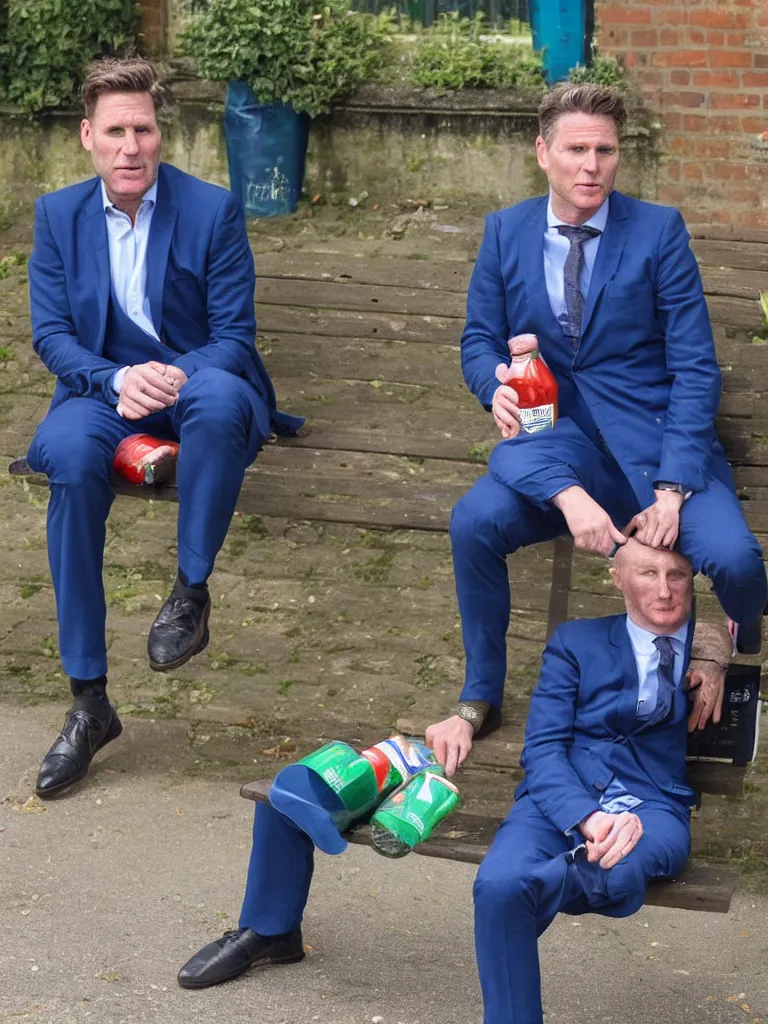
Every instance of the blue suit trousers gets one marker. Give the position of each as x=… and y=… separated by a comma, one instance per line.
x=510, y=508
x=530, y=875
x=220, y=420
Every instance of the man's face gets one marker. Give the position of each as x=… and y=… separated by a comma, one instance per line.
x=124, y=141
x=580, y=163
x=657, y=586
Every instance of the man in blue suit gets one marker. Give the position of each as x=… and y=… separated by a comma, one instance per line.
x=604, y=803
x=611, y=290
x=602, y=808
x=141, y=288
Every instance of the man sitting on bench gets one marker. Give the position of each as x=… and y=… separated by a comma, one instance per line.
x=611, y=289
x=605, y=765
x=141, y=287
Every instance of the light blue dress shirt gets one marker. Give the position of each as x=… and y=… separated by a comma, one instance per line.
x=128, y=263
x=616, y=798
x=556, y=248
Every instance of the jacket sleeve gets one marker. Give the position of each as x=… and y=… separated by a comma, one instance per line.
x=551, y=780
x=686, y=448
x=230, y=280
x=53, y=330
x=486, y=332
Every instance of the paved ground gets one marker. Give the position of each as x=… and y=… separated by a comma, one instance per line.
x=104, y=894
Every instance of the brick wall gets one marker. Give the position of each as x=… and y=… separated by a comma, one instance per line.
x=702, y=67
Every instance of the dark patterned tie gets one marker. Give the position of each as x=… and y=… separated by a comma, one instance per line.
x=665, y=674
x=574, y=300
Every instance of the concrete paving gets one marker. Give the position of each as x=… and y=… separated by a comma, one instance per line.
x=105, y=893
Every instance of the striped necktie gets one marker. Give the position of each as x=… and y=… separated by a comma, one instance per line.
x=574, y=300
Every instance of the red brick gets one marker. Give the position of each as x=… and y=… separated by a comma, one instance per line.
x=693, y=171
x=682, y=99
x=673, y=122
x=671, y=16
x=735, y=39
x=695, y=123
x=719, y=19
x=646, y=38
x=647, y=78
x=669, y=37
x=718, y=79
x=730, y=172
x=730, y=59
x=733, y=100
x=697, y=37
x=673, y=170
x=754, y=79
x=680, y=77
x=629, y=15
x=617, y=37
x=712, y=148
x=679, y=58
x=744, y=195
x=754, y=125
x=761, y=60
x=761, y=18
x=753, y=219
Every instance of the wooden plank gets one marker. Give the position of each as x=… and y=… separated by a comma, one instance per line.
x=466, y=837
x=433, y=275
x=739, y=255
x=360, y=298
x=735, y=312
x=347, y=324
x=726, y=280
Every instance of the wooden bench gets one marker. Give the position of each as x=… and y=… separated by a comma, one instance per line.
x=369, y=350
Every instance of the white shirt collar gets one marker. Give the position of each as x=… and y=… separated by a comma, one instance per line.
x=598, y=221
x=150, y=196
x=642, y=639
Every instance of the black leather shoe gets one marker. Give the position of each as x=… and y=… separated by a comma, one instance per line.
x=180, y=631
x=235, y=952
x=70, y=757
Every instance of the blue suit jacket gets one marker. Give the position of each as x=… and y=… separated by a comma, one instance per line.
x=646, y=364
x=583, y=727
x=200, y=282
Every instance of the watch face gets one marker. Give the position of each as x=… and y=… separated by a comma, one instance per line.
x=469, y=714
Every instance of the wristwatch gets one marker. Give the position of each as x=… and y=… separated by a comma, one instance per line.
x=474, y=712
x=665, y=485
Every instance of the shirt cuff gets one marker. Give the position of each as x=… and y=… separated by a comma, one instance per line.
x=117, y=379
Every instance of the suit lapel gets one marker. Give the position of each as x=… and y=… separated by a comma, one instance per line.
x=608, y=254
x=160, y=235
x=628, y=719
x=531, y=251
x=96, y=222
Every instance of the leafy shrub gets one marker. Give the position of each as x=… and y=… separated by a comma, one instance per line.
x=602, y=71
x=290, y=51
x=453, y=54
x=47, y=44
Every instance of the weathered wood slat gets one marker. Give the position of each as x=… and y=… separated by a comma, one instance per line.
x=346, y=324
x=734, y=312
x=727, y=253
x=452, y=276
x=465, y=836
x=359, y=297
x=433, y=275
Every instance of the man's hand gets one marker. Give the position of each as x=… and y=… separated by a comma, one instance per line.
x=591, y=526
x=707, y=679
x=176, y=377
x=659, y=524
x=506, y=414
x=610, y=836
x=451, y=741
x=147, y=389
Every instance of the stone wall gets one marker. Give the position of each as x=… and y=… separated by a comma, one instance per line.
x=702, y=67
x=394, y=144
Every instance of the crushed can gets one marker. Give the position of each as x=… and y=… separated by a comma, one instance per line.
x=410, y=814
x=328, y=790
x=144, y=459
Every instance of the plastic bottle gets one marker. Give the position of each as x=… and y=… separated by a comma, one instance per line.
x=534, y=383
x=143, y=459
x=410, y=814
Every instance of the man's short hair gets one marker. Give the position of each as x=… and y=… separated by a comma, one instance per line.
x=580, y=99
x=122, y=74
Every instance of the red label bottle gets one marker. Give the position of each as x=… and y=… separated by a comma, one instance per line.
x=534, y=383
